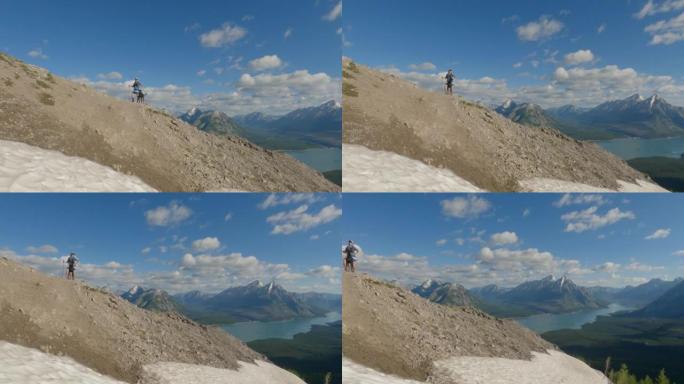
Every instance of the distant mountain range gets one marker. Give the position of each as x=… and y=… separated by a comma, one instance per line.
x=635, y=296
x=444, y=293
x=319, y=126
x=634, y=116
x=548, y=295
x=252, y=302
x=669, y=305
x=256, y=301
x=152, y=299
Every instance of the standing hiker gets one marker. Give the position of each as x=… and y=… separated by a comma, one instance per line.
x=71, y=262
x=449, y=82
x=350, y=251
x=137, y=90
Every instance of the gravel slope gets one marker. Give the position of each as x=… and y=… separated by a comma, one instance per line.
x=49, y=112
x=102, y=331
x=396, y=332
x=383, y=112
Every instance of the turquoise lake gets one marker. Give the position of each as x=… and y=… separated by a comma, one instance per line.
x=320, y=159
x=573, y=320
x=284, y=329
x=634, y=147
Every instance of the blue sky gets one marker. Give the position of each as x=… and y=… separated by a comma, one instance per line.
x=549, y=52
x=186, y=53
x=610, y=240
x=179, y=242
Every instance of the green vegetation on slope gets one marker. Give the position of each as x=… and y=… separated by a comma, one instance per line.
x=666, y=171
x=312, y=355
x=623, y=376
x=646, y=345
x=334, y=176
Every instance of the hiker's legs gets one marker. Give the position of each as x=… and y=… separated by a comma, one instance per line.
x=352, y=267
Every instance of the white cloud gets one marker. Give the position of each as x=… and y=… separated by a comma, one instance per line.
x=601, y=28
x=110, y=76
x=37, y=54
x=206, y=244
x=651, y=8
x=526, y=212
x=288, y=32
x=334, y=13
x=146, y=250
x=299, y=219
x=228, y=216
x=578, y=199
x=588, y=219
x=426, y=66
x=226, y=35
x=517, y=65
x=169, y=215
x=608, y=267
x=504, y=238
x=441, y=242
x=247, y=18
x=265, y=62
x=276, y=199
x=201, y=72
x=666, y=32
x=659, y=234
x=544, y=28
x=579, y=57
x=678, y=253
x=459, y=207
x=643, y=267
x=46, y=248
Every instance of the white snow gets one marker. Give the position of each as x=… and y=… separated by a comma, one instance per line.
x=177, y=373
x=367, y=170
x=21, y=365
x=551, y=367
x=539, y=184
x=353, y=373
x=25, y=168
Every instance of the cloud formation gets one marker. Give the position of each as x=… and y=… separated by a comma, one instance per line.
x=465, y=207
x=165, y=216
x=541, y=29
x=227, y=34
x=299, y=219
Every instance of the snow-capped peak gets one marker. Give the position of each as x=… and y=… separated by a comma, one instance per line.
x=134, y=290
x=427, y=283
x=270, y=286
x=507, y=103
x=562, y=281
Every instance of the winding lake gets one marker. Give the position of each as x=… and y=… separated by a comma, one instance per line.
x=320, y=159
x=284, y=329
x=631, y=148
x=573, y=320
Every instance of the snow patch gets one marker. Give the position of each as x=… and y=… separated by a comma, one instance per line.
x=539, y=184
x=550, y=367
x=353, y=373
x=21, y=365
x=367, y=170
x=178, y=373
x=25, y=168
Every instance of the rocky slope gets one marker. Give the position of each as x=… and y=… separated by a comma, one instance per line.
x=104, y=332
x=385, y=113
x=49, y=112
x=397, y=332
